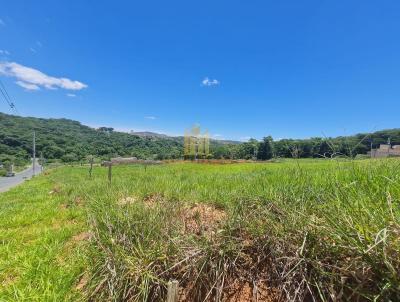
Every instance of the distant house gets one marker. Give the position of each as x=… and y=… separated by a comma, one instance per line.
x=385, y=150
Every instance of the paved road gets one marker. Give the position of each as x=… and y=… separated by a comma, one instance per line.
x=7, y=183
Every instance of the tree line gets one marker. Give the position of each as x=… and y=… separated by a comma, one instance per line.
x=70, y=141
x=316, y=147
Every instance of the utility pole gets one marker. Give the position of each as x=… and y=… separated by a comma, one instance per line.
x=34, y=153
x=372, y=150
x=41, y=161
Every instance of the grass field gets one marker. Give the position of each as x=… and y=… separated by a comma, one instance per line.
x=290, y=231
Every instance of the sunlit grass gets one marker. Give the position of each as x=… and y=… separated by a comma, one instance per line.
x=36, y=263
x=321, y=228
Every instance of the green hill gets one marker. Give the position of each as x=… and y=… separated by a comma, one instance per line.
x=69, y=141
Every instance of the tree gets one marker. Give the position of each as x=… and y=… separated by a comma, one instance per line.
x=265, y=149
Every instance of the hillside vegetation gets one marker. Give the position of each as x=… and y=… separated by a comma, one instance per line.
x=70, y=141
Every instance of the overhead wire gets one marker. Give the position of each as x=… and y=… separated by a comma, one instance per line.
x=7, y=98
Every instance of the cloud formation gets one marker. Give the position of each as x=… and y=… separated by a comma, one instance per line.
x=2, y=22
x=71, y=95
x=33, y=79
x=4, y=52
x=150, y=117
x=27, y=86
x=208, y=82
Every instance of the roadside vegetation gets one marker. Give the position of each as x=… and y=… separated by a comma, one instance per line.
x=40, y=254
x=323, y=230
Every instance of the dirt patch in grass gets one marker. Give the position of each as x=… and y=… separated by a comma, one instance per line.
x=81, y=237
x=202, y=219
x=152, y=200
x=9, y=279
x=56, y=190
x=79, y=201
x=84, y=279
x=149, y=201
x=242, y=291
x=235, y=291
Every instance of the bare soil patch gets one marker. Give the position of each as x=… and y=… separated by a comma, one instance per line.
x=202, y=219
x=241, y=291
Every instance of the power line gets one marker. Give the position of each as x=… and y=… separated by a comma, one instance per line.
x=7, y=98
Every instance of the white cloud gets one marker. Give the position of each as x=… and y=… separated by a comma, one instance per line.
x=38, y=43
x=34, y=79
x=209, y=82
x=150, y=117
x=71, y=95
x=4, y=52
x=32, y=49
x=27, y=86
x=2, y=22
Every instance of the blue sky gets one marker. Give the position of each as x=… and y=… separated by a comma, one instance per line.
x=239, y=68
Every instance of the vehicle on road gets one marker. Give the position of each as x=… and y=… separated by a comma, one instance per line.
x=10, y=174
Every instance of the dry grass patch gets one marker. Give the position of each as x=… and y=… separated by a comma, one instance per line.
x=126, y=200
x=56, y=190
x=81, y=237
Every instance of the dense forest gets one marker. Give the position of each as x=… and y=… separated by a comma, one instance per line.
x=70, y=141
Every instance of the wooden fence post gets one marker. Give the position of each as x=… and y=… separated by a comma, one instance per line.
x=109, y=173
x=172, y=295
x=91, y=167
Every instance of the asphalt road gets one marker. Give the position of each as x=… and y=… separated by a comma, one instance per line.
x=7, y=183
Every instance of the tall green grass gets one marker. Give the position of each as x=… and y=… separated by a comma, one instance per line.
x=318, y=230
x=39, y=261
x=324, y=230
